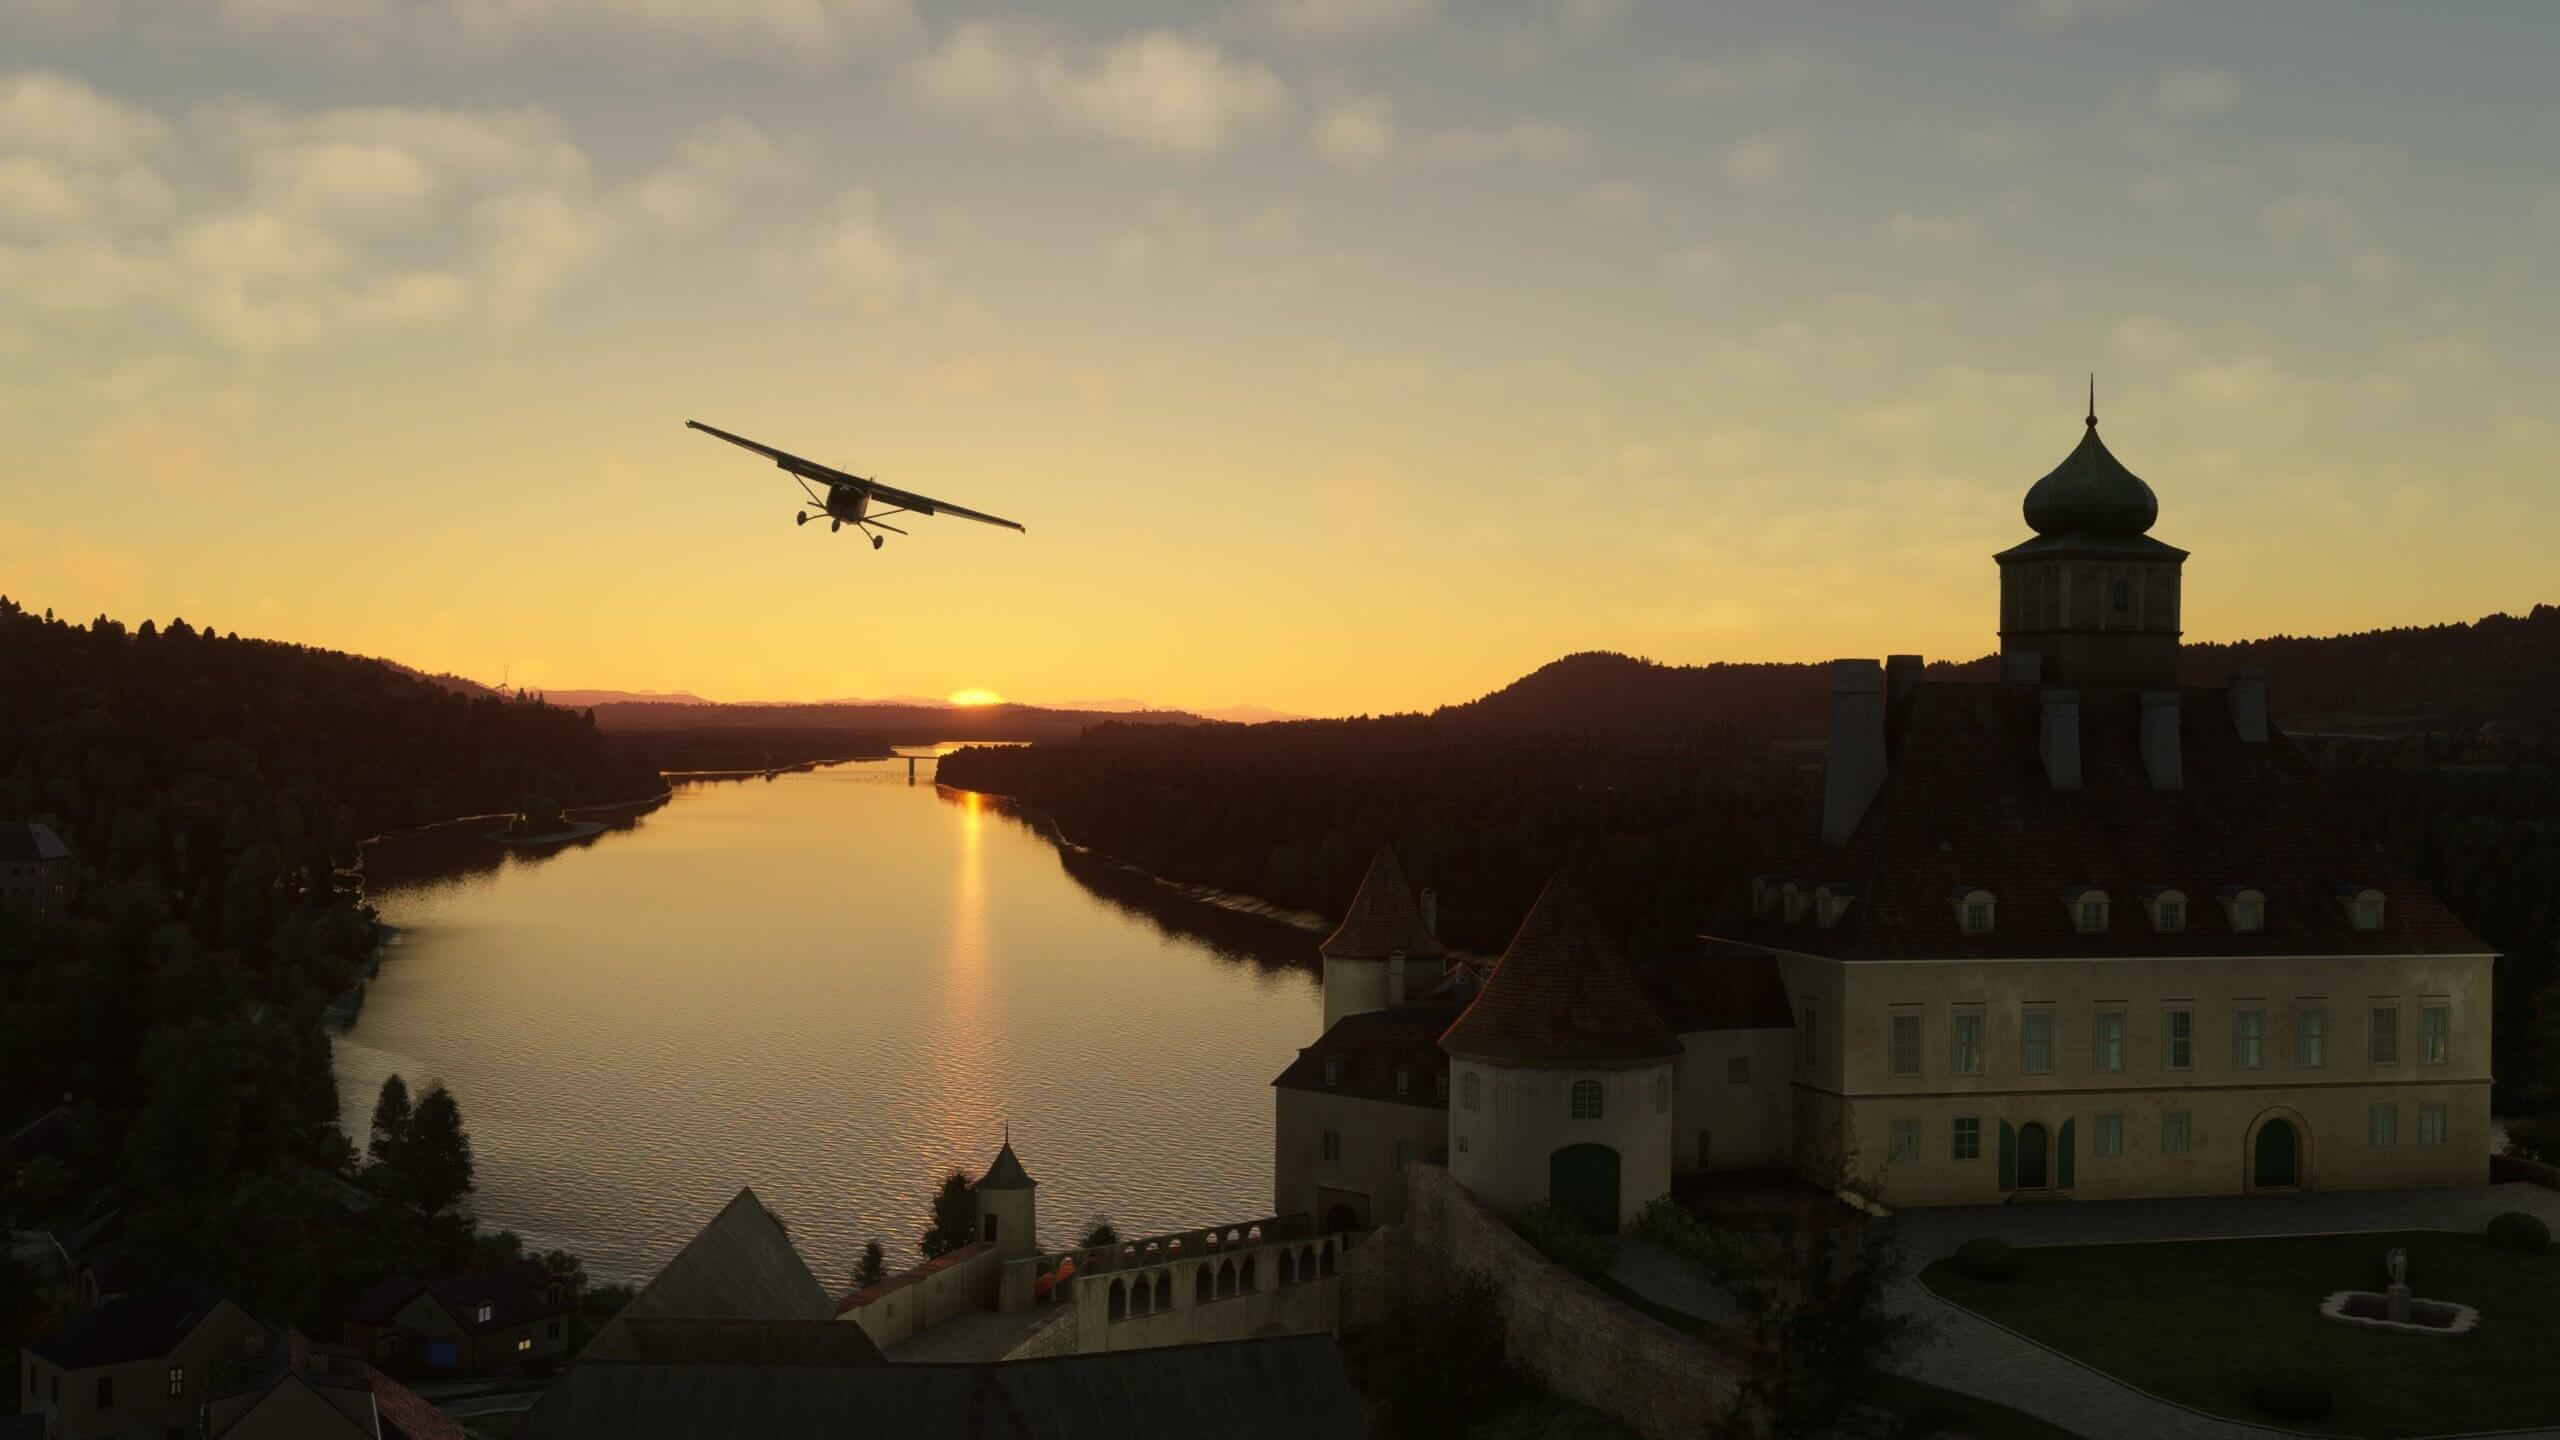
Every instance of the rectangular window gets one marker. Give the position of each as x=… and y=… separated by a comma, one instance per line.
x=1333, y=1144
x=1440, y=1085
x=2106, y=1045
x=2093, y=916
x=526, y=1343
x=2311, y=1039
x=2386, y=1035
x=2035, y=1042
x=2177, y=1039
x=1906, y=1045
x=177, y=1381
x=2431, y=1124
x=1906, y=1142
x=1462, y=1144
x=1737, y=1071
x=1404, y=1082
x=2173, y=915
x=1968, y=1139
x=1977, y=917
x=2106, y=1135
x=2249, y=916
x=551, y=1331
x=2435, y=1025
x=2173, y=1133
x=1332, y=1071
x=1966, y=1053
x=2383, y=1126
x=2247, y=1035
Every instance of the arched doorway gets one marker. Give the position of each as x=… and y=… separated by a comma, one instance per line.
x=1582, y=1181
x=2276, y=1160
x=2034, y=1168
x=1341, y=1218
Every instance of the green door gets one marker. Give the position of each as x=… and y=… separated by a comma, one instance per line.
x=2275, y=1154
x=1582, y=1181
x=2062, y=1155
x=2031, y=1156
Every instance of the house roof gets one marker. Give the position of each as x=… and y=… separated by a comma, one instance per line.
x=373, y=1402
x=751, y=1342
x=1561, y=995
x=741, y=1266
x=1290, y=1387
x=516, y=1294
x=1385, y=917
x=130, y=1327
x=30, y=841
x=1006, y=1174
x=1966, y=804
x=1711, y=987
x=1368, y=1049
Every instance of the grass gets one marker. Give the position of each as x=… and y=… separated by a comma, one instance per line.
x=2200, y=1322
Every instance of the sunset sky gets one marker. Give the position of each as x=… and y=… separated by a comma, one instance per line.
x=1341, y=355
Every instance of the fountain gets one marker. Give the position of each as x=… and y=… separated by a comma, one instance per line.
x=2394, y=1309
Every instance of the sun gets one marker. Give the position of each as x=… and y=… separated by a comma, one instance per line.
x=976, y=697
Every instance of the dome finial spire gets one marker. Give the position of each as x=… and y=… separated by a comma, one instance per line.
x=2093, y=399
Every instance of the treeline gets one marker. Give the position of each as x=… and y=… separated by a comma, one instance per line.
x=214, y=791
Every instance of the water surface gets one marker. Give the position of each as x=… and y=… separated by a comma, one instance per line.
x=832, y=986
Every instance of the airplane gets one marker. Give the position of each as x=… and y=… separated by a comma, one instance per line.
x=847, y=499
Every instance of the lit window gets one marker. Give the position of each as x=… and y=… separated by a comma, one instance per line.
x=1906, y=1045
x=2431, y=1124
x=2106, y=1135
x=2247, y=1033
x=2035, y=1042
x=1471, y=1091
x=2386, y=1035
x=1906, y=1142
x=1333, y=1144
x=2177, y=1039
x=1586, y=1100
x=1737, y=1070
x=2383, y=1126
x=1967, y=1144
x=1661, y=1093
x=2173, y=1133
x=482, y=1314
x=2106, y=1041
x=2435, y=1023
x=2311, y=1038
x=526, y=1343
x=1965, y=1054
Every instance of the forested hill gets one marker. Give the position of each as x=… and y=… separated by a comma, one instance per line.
x=2502, y=669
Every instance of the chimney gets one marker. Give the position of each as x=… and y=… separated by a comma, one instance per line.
x=1855, y=770
x=2248, y=697
x=2061, y=738
x=2160, y=739
x=1431, y=913
x=1901, y=677
x=2022, y=667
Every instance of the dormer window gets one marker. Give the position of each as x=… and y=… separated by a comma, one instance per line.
x=1404, y=1082
x=1332, y=1072
x=2168, y=908
x=1764, y=896
x=2088, y=906
x=1795, y=901
x=1831, y=903
x=1973, y=910
x=2363, y=906
x=482, y=1314
x=2245, y=907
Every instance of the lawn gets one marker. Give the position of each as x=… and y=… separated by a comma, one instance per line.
x=2200, y=1322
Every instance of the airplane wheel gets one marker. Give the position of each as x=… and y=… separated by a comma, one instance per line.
x=803, y=517
x=834, y=525
x=879, y=540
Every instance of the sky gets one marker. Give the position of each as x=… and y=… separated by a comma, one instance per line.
x=1343, y=356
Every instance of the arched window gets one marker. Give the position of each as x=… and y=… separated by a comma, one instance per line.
x=1288, y=1267
x=1164, y=1290
x=2363, y=904
x=1226, y=1279
x=1586, y=1099
x=1306, y=1262
x=1831, y=903
x=1973, y=910
x=2168, y=908
x=1471, y=1091
x=1203, y=1286
x=2245, y=907
x=1141, y=1297
x=1119, y=1299
x=1244, y=1276
x=1792, y=900
x=2088, y=906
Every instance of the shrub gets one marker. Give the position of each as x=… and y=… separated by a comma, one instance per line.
x=2296, y=1395
x=2535, y=1139
x=2522, y=1233
x=1986, y=1259
x=1723, y=1255
x=1565, y=1240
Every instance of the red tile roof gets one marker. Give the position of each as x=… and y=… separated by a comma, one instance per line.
x=1367, y=1051
x=1561, y=996
x=1966, y=803
x=1385, y=917
x=1715, y=988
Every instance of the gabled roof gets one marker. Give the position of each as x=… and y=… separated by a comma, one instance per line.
x=1711, y=987
x=374, y=1404
x=515, y=1293
x=1966, y=803
x=1006, y=1174
x=31, y=841
x=129, y=1328
x=1561, y=996
x=751, y=1342
x=1385, y=917
x=740, y=1267
x=1368, y=1049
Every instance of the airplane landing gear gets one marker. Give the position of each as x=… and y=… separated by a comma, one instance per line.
x=802, y=517
x=879, y=540
x=834, y=525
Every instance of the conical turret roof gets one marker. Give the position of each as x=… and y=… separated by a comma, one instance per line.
x=1561, y=996
x=1384, y=918
x=2091, y=493
x=1006, y=1174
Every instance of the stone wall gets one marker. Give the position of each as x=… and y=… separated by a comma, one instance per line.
x=2531, y=1172
x=931, y=1293
x=1579, y=1342
x=1297, y=1298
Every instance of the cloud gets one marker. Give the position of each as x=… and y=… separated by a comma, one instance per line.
x=851, y=257
x=1732, y=77
x=1326, y=22
x=1531, y=142
x=1358, y=135
x=44, y=112
x=1763, y=157
x=367, y=31
x=1695, y=267
x=2186, y=91
x=1154, y=90
x=1618, y=199
x=1943, y=231
x=697, y=186
x=2053, y=15
x=1994, y=147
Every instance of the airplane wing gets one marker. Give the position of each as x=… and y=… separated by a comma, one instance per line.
x=829, y=475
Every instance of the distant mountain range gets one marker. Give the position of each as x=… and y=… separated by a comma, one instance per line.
x=618, y=703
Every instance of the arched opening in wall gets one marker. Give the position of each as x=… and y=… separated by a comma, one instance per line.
x=1119, y=1299
x=1205, y=1287
x=1226, y=1280
x=1324, y=1259
x=1288, y=1267
x=2278, y=1152
x=1341, y=1218
x=1164, y=1290
x=1306, y=1262
x=1582, y=1181
x=1244, y=1276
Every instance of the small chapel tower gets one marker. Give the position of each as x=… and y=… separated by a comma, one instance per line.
x=1008, y=1218
x=2092, y=600
x=1387, y=946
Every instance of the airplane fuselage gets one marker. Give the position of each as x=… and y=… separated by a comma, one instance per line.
x=847, y=502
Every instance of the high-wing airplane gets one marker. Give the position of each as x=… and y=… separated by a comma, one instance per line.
x=850, y=499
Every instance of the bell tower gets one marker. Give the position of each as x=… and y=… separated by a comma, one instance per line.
x=2092, y=600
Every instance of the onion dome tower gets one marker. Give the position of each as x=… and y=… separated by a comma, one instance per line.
x=2092, y=600
x=1387, y=929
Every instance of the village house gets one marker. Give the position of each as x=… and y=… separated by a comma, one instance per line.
x=295, y=1390
x=514, y=1318
x=35, y=868
x=139, y=1364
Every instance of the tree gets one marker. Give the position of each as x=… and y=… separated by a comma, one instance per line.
x=567, y=1269
x=1098, y=1233
x=874, y=1266
x=955, y=1217
x=438, y=1169
x=390, y=1122
x=1816, y=1316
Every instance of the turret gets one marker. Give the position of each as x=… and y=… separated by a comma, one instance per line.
x=1385, y=943
x=2092, y=601
x=1009, y=1218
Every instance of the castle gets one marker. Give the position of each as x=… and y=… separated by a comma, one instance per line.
x=2087, y=931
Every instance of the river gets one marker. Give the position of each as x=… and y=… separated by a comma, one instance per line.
x=833, y=986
